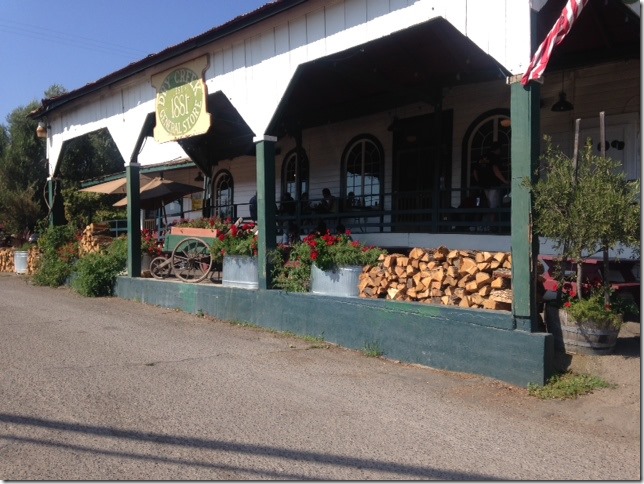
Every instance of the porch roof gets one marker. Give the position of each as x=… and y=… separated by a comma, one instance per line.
x=407, y=66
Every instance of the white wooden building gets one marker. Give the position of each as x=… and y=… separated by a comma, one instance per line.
x=385, y=102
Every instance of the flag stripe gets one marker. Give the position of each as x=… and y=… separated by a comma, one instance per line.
x=560, y=29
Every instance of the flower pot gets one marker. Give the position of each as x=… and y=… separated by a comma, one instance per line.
x=341, y=281
x=586, y=338
x=21, y=261
x=240, y=271
x=145, y=263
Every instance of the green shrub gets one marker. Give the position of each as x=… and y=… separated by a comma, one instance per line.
x=52, y=272
x=59, y=252
x=95, y=274
x=567, y=385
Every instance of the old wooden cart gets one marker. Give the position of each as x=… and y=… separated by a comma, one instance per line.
x=186, y=255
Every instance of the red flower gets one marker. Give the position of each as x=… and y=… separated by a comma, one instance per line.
x=355, y=244
x=221, y=237
x=567, y=304
x=234, y=230
x=314, y=255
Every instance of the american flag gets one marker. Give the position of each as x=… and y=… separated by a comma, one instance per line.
x=556, y=35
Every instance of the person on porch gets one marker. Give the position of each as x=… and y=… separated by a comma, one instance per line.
x=487, y=175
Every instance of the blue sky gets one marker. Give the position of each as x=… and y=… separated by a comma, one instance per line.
x=75, y=42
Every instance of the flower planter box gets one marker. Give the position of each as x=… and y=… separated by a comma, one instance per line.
x=578, y=338
x=193, y=232
x=240, y=271
x=341, y=281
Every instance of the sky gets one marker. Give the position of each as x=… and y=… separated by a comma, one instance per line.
x=75, y=42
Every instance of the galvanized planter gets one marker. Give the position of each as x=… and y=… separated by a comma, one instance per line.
x=21, y=261
x=240, y=271
x=341, y=281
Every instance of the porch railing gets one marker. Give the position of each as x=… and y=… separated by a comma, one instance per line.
x=415, y=212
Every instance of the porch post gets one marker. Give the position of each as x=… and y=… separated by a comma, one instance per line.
x=133, y=220
x=265, y=156
x=55, y=200
x=524, y=112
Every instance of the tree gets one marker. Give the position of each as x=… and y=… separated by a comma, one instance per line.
x=23, y=170
x=89, y=156
x=586, y=209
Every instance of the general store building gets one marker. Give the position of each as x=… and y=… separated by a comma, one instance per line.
x=388, y=103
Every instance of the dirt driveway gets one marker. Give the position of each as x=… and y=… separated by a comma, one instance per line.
x=618, y=407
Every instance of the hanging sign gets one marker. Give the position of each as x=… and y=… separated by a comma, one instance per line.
x=181, y=101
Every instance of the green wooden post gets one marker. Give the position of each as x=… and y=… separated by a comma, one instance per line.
x=265, y=155
x=524, y=112
x=50, y=198
x=133, y=220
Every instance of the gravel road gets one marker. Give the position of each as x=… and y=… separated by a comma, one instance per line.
x=107, y=389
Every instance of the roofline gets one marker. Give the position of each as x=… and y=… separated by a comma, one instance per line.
x=235, y=25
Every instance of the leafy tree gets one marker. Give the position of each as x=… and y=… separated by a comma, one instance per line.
x=23, y=173
x=586, y=209
x=89, y=156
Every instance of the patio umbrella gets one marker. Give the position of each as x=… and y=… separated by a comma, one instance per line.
x=114, y=187
x=158, y=192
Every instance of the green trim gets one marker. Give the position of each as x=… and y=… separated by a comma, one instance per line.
x=265, y=153
x=464, y=340
x=525, y=105
x=133, y=221
x=143, y=170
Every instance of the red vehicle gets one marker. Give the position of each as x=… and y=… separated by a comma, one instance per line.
x=624, y=275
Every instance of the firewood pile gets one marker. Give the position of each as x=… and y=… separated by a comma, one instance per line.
x=7, y=259
x=95, y=238
x=33, y=259
x=462, y=278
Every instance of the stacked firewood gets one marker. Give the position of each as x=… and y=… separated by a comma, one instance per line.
x=95, y=238
x=6, y=260
x=33, y=260
x=462, y=278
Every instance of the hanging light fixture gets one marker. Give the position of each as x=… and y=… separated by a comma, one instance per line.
x=199, y=177
x=563, y=104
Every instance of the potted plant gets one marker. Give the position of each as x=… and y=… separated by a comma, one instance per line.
x=235, y=247
x=585, y=208
x=150, y=247
x=326, y=264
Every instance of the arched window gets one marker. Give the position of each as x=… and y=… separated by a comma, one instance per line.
x=295, y=173
x=223, y=195
x=487, y=128
x=362, y=172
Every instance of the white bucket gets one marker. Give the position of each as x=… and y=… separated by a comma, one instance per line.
x=20, y=261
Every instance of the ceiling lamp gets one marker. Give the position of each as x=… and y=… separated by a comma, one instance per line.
x=199, y=177
x=562, y=105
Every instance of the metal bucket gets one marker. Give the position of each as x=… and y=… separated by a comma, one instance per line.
x=342, y=281
x=240, y=271
x=21, y=261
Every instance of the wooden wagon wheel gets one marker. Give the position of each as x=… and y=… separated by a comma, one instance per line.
x=191, y=261
x=160, y=267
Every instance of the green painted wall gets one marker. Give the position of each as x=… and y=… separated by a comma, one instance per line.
x=471, y=341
